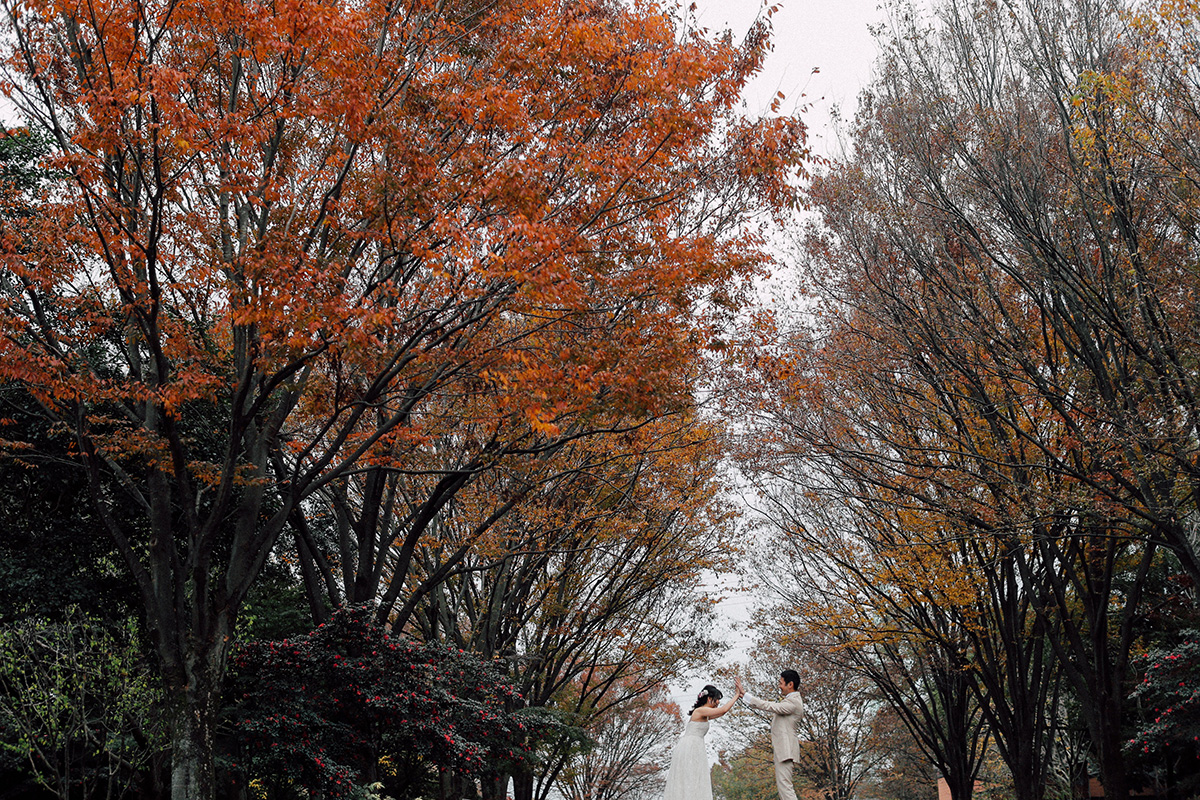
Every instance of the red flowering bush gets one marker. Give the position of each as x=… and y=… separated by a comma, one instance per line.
x=1170, y=696
x=348, y=705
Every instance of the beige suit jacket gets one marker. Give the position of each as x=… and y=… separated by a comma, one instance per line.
x=786, y=713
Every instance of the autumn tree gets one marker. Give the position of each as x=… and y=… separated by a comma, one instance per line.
x=286, y=236
x=904, y=773
x=616, y=476
x=52, y=554
x=590, y=589
x=891, y=583
x=997, y=367
x=877, y=597
x=746, y=773
x=629, y=751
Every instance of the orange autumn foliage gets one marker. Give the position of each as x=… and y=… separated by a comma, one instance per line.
x=285, y=238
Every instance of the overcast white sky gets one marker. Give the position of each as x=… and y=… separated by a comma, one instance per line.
x=832, y=36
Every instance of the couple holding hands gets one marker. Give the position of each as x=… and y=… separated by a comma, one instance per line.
x=688, y=778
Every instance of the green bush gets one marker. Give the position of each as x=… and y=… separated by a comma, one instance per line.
x=78, y=705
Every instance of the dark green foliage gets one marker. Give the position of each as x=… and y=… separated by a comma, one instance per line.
x=21, y=150
x=16, y=779
x=348, y=706
x=54, y=553
x=275, y=608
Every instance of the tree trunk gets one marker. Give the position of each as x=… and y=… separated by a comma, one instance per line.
x=961, y=787
x=523, y=785
x=1110, y=759
x=1029, y=781
x=495, y=787
x=192, y=773
x=194, y=693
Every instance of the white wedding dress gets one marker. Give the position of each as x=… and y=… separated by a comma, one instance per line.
x=688, y=778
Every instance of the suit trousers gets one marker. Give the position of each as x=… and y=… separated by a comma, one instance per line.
x=783, y=780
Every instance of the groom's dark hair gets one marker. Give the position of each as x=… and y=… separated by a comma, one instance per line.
x=792, y=677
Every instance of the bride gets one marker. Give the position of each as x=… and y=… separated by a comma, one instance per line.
x=688, y=778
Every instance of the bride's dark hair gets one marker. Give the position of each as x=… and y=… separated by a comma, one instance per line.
x=709, y=692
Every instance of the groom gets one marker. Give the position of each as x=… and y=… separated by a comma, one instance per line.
x=785, y=714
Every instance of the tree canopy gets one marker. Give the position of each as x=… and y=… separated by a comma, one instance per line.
x=287, y=245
